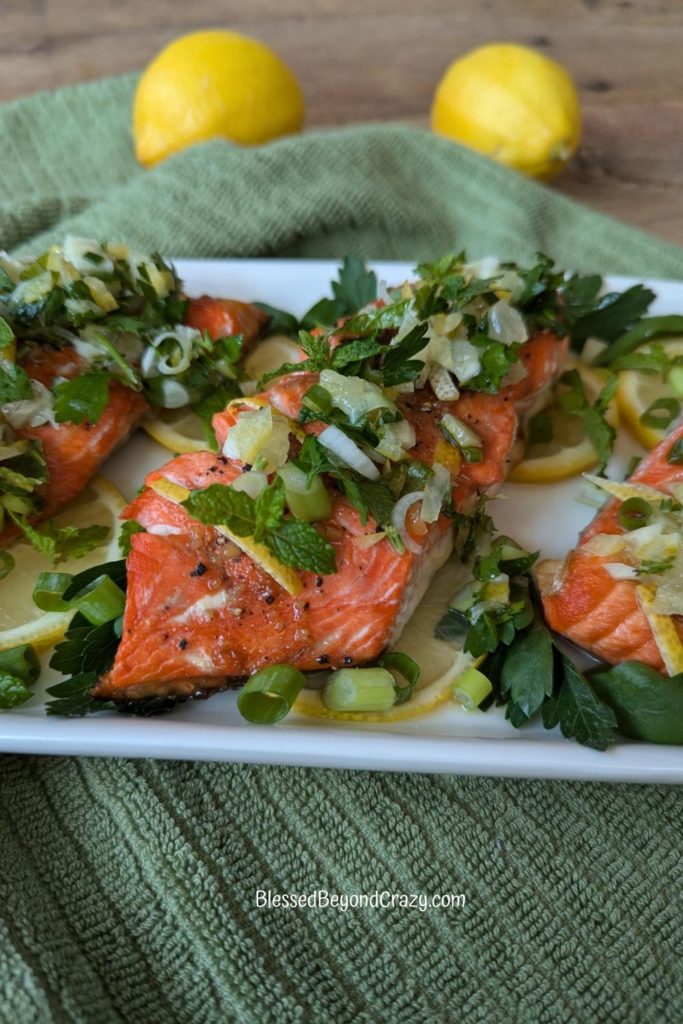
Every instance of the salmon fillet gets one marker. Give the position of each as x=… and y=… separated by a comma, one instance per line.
x=221, y=318
x=75, y=451
x=200, y=613
x=584, y=603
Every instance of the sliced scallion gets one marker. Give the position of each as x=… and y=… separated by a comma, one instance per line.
x=471, y=688
x=49, y=590
x=317, y=399
x=309, y=503
x=100, y=601
x=397, y=661
x=360, y=690
x=635, y=512
x=21, y=662
x=661, y=413
x=269, y=694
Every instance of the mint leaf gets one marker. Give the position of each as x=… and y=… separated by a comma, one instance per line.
x=15, y=384
x=221, y=504
x=6, y=334
x=355, y=351
x=62, y=543
x=270, y=507
x=300, y=545
x=81, y=398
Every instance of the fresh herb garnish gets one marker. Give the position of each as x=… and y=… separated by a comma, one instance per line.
x=81, y=398
x=294, y=543
x=128, y=530
x=62, y=543
x=572, y=399
x=15, y=385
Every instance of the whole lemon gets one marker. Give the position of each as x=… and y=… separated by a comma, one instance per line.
x=213, y=84
x=513, y=105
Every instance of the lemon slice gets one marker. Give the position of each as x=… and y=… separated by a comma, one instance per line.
x=179, y=430
x=570, y=452
x=637, y=391
x=441, y=662
x=21, y=622
x=270, y=354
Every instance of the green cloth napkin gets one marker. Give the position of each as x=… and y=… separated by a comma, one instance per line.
x=127, y=888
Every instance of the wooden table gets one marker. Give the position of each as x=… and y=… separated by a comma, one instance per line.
x=371, y=60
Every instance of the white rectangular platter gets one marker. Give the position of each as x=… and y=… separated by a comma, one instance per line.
x=447, y=739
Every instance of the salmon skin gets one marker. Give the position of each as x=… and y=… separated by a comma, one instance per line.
x=200, y=614
x=585, y=604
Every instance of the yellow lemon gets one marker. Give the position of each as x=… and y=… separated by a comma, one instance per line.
x=512, y=104
x=213, y=84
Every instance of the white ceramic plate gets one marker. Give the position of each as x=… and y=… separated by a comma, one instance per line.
x=447, y=740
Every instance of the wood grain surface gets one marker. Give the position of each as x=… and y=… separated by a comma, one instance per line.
x=379, y=60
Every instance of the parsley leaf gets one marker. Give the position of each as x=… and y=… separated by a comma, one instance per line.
x=528, y=670
x=613, y=314
x=398, y=366
x=356, y=287
x=578, y=710
x=81, y=398
x=573, y=400
x=496, y=360
x=15, y=384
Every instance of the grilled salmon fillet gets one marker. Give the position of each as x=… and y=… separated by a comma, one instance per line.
x=74, y=452
x=200, y=613
x=584, y=603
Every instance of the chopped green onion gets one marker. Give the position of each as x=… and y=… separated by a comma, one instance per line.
x=472, y=454
x=471, y=689
x=49, y=590
x=309, y=503
x=269, y=695
x=661, y=413
x=6, y=560
x=675, y=454
x=21, y=662
x=464, y=599
x=360, y=690
x=675, y=380
x=100, y=601
x=318, y=399
x=397, y=661
x=635, y=512
x=460, y=435
x=20, y=506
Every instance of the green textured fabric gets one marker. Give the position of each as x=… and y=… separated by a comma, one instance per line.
x=127, y=888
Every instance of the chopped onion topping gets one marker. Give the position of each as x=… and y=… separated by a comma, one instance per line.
x=173, y=394
x=169, y=352
x=621, y=571
x=442, y=384
x=506, y=324
x=336, y=441
x=252, y=483
x=398, y=518
x=463, y=435
x=259, y=433
x=31, y=412
x=436, y=489
x=353, y=395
